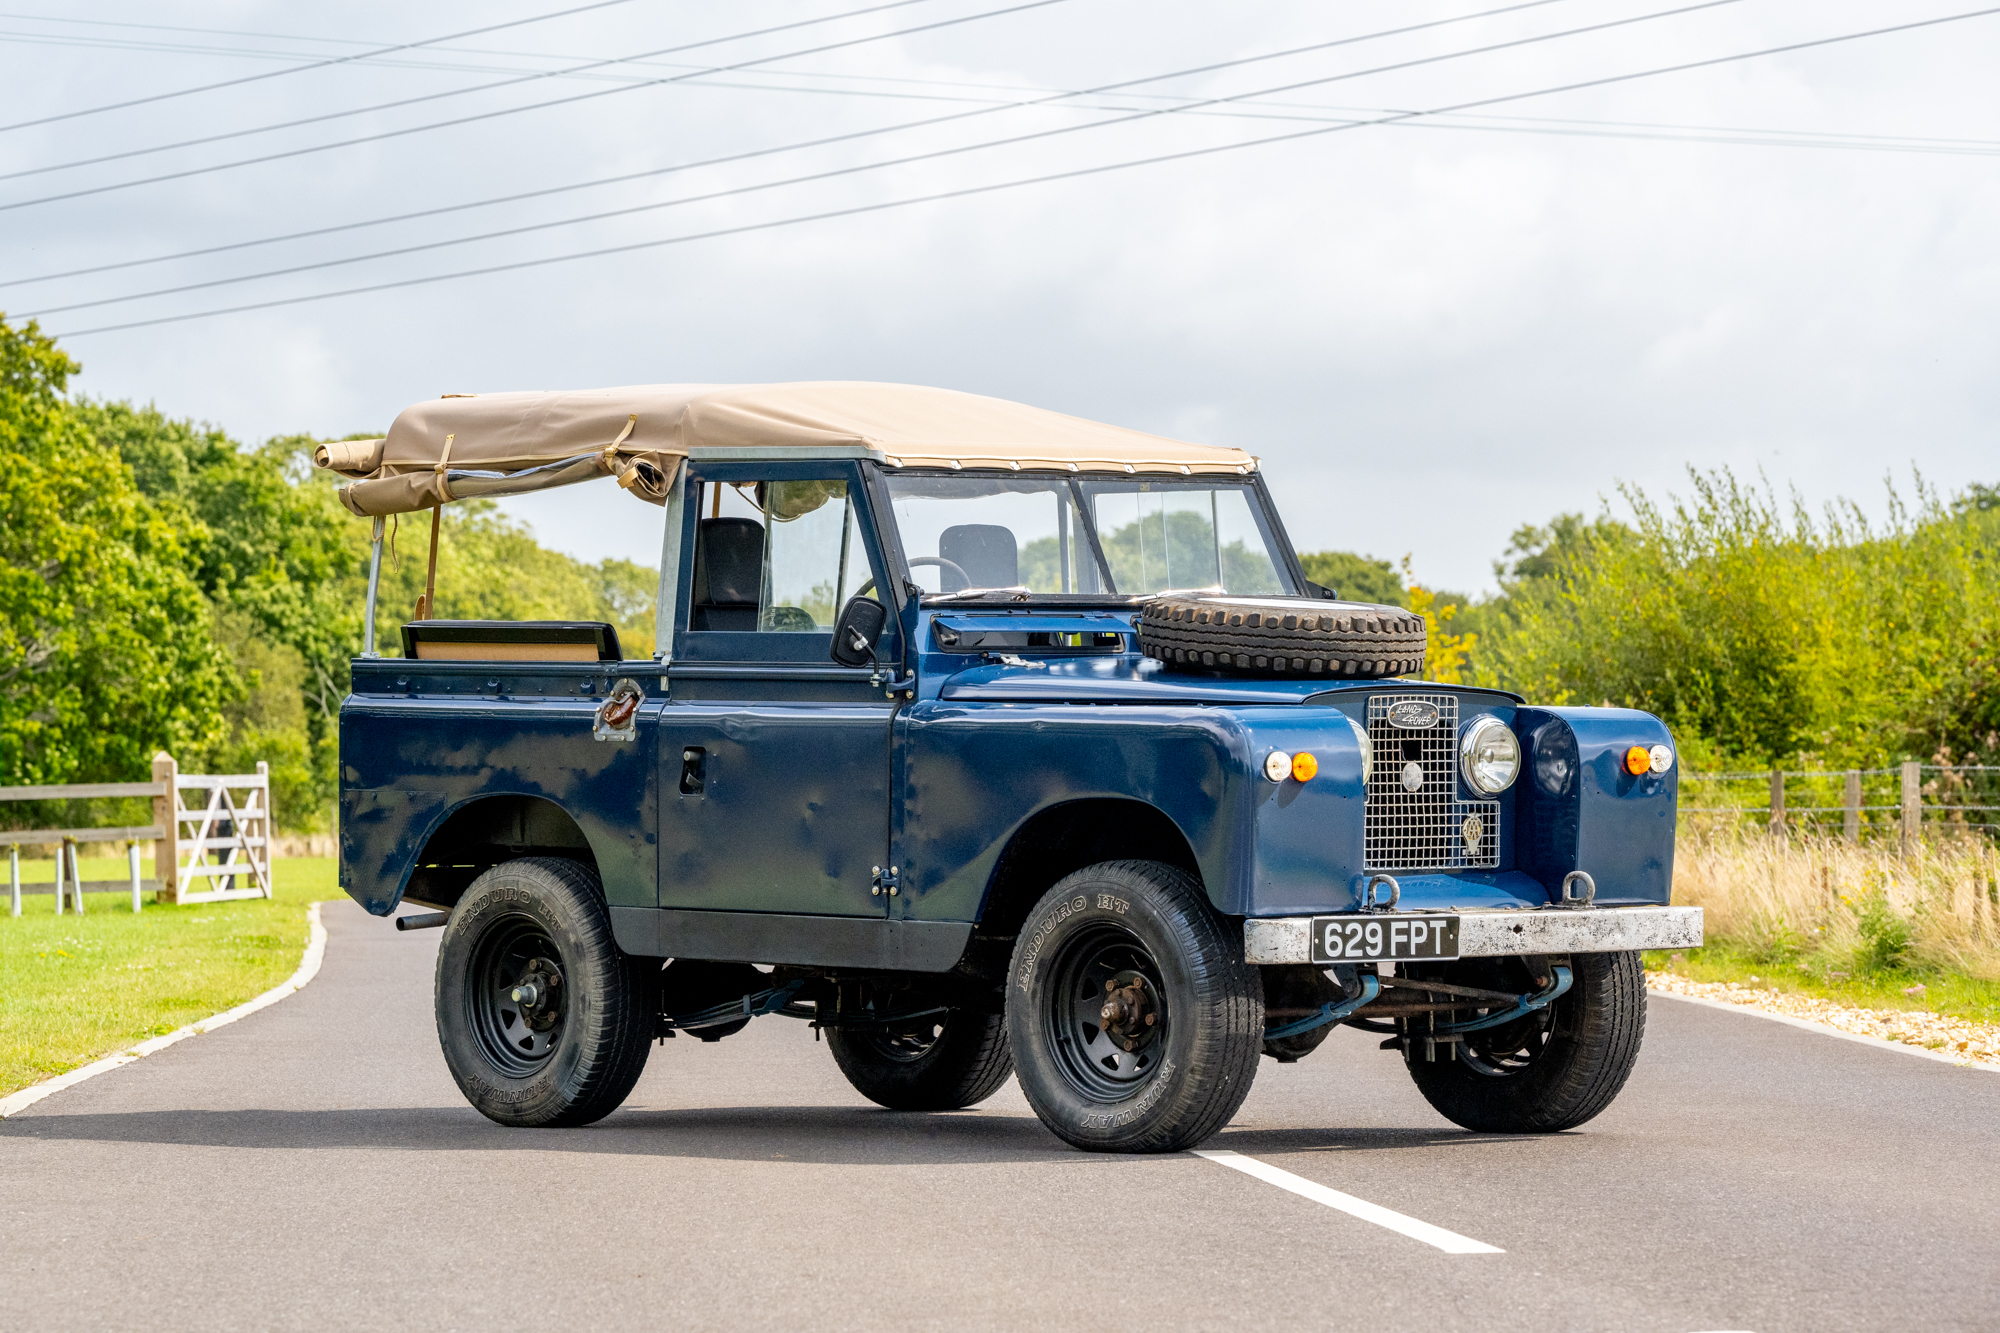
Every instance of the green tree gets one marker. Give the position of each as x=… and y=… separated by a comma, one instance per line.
x=1762, y=632
x=490, y=567
x=1357, y=578
x=271, y=552
x=106, y=644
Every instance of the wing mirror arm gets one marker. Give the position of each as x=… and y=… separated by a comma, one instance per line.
x=854, y=636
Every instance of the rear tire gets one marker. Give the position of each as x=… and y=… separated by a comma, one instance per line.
x=1104, y=949
x=937, y=1065
x=1542, y=1075
x=571, y=1052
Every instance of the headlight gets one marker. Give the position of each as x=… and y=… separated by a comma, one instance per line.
x=1367, y=750
x=1488, y=755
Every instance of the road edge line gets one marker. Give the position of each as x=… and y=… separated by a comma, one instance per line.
x=309, y=962
x=1828, y=1030
x=1415, y=1228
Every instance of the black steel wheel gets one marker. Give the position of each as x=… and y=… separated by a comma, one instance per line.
x=937, y=1062
x=543, y=1021
x=1134, y=1021
x=515, y=998
x=1544, y=1072
x=1109, y=1024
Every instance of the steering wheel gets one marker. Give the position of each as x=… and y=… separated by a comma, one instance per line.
x=937, y=560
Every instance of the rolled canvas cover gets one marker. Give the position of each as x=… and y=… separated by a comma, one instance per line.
x=491, y=444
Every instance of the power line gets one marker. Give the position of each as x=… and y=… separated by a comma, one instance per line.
x=1145, y=114
x=968, y=191
x=539, y=106
x=1056, y=96
x=317, y=64
x=533, y=77
x=435, y=97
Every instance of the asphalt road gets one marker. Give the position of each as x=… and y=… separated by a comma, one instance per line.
x=313, y=1166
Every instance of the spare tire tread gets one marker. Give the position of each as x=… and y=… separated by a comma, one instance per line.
x=1349, y=639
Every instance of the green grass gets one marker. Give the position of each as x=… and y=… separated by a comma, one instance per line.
x=1944, y=992
x=75, y=989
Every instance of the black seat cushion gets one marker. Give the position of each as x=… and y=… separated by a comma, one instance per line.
x=728, y=574
x=986, y=552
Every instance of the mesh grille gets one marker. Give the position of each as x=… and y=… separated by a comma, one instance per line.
x=1422, y=829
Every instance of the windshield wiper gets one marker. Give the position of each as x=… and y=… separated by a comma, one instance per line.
x=1015, y=593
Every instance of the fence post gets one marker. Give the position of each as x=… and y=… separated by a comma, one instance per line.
x=270, y=832
x=167, y=815
x=1913, y=811
x=1777, y=803
x=1850, y=818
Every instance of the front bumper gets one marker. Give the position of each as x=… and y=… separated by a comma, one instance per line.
x=1490, y=934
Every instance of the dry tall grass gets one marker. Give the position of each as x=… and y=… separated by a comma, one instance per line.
x=1854, y=907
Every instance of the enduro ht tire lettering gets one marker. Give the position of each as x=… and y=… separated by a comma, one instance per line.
x=543, y=1021
x=1134, y=1021
x=1282, y=636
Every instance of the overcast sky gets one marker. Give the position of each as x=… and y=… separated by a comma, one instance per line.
x=1432, y=331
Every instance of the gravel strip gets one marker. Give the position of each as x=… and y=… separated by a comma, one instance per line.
x=1973, y=1042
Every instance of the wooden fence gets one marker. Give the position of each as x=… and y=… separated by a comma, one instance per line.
x=1902, y=802
x=213, y=846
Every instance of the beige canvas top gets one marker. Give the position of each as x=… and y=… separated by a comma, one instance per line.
x=466, y=445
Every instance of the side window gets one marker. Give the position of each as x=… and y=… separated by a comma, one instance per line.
x=775, y=557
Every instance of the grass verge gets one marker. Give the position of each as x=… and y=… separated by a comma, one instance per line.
x=75, y=989
x=1944, y=992
x=1859, y=924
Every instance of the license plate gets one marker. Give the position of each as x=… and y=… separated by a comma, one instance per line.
x=1383, y=939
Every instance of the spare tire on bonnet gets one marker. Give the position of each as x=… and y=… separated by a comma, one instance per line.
x=1273, y=636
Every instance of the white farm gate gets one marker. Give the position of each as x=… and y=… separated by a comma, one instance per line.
x=217, y=845
x=211, y=836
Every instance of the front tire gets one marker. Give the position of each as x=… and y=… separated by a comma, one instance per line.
x=938, y=1064
x=1134, y=1021
x=543, y=1021
x=1547, y=1072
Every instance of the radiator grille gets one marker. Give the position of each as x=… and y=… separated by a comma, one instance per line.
x=1422, y=829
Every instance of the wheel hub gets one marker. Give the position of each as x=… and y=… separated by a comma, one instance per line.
x=1130, y=1012
x=536, y=993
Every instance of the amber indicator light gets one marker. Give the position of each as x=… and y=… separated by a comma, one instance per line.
x=1304, y=766
x=1638, y=760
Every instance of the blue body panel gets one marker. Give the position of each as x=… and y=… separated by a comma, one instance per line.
x=812, y=777
x=419, y=741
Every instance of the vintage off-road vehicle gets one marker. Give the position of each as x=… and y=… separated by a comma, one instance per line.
x=986, y=740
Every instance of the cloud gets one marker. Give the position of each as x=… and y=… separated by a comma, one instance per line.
x=1430, y=335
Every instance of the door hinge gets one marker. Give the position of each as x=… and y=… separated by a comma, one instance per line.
x=886, y=881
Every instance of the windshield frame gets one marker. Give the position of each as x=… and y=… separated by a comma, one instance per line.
x=1283, y=558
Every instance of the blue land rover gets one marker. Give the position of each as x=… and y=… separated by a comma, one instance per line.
x=985, y=740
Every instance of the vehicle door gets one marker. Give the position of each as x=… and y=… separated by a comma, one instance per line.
x=774, y=792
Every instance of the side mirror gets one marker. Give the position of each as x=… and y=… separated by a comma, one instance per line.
x=854, y=634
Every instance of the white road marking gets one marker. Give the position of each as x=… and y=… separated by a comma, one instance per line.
x=1448, y=1241
x=308, y=969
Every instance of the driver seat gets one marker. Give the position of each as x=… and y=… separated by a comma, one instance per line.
x=987, y=552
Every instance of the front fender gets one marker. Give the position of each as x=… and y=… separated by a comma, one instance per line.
x=1579, y=809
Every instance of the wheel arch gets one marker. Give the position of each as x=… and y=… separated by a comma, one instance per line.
x=1061, y=839
x=484, y=832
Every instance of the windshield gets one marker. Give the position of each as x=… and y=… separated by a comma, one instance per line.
x=1083, y=536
